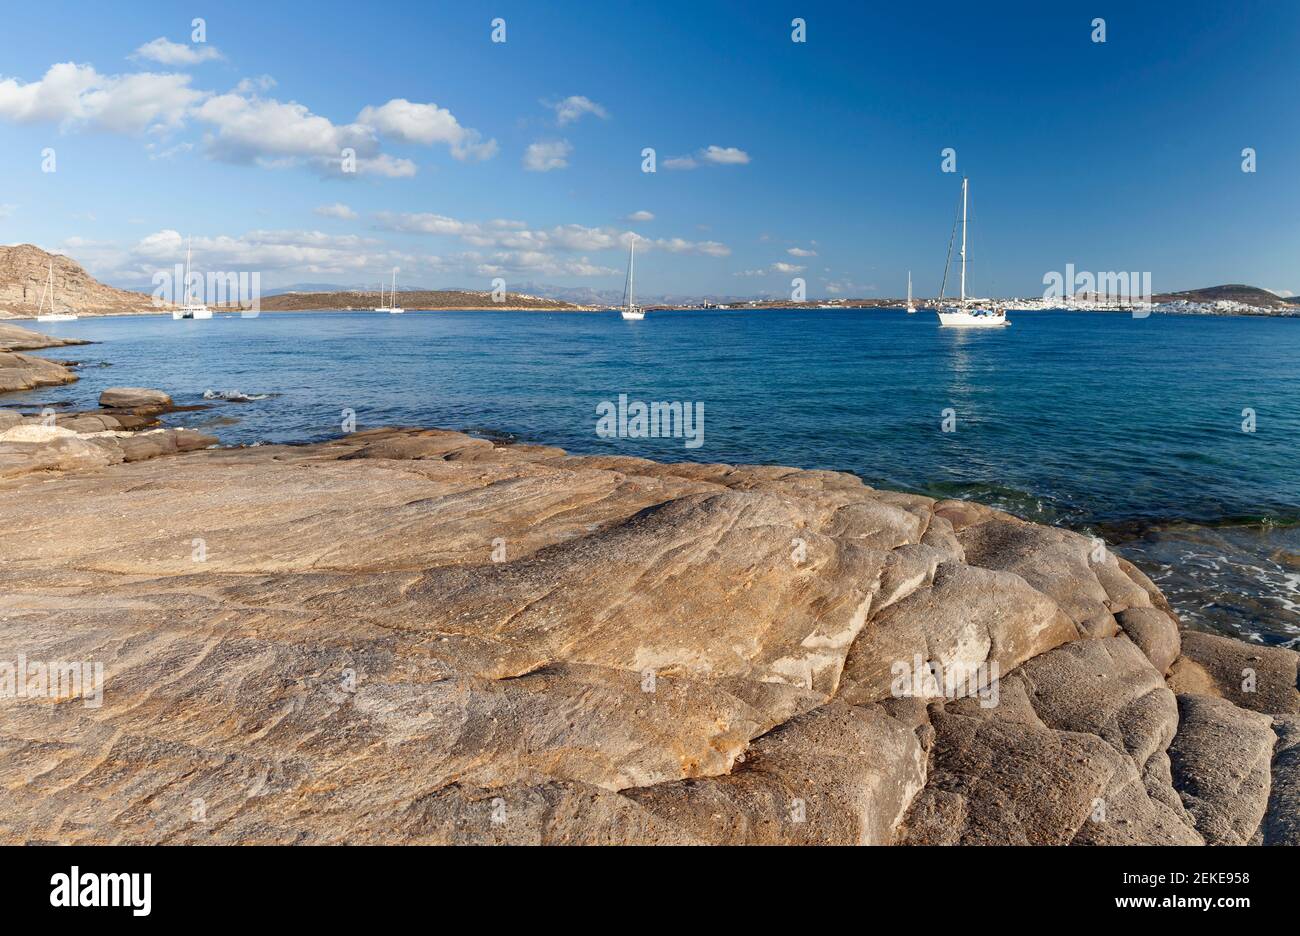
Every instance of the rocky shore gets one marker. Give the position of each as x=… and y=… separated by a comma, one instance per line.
x=415, y=636
x=25, y=372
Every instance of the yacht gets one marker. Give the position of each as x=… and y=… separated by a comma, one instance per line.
x=967, y=313
x=392, y=308
x=630, y=311
x=190, y=309
x=911, y=309
x=52, y=316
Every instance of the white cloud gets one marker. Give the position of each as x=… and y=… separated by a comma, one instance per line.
x=427, y=124
x=543, y=156
x=286, y=256
x=773, y=269
x=1282, y=293
x=166, y=52
x=640, y=216
x=298, y=251
x=711, y=155
x=724, y=156
x=6, y=210
x=243, y=127
x=572, y=108
x=536, y=263
x=801, y=252
x=72, y=94
x=522, y=243
x=704, y=248
x=248, y=129
x=336, y=210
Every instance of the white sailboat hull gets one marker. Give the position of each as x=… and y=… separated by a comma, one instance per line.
x=634, y=315
x=396, y=311
x=57, y=317
x=960, y=318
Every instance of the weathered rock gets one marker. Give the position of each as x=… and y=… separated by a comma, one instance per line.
x=134, y=398
x=840, y=775
x=32, y=447
x=16, y=338
x=416, y=636
x=1255, y=677
x=966, y=618
x=1155, y=632
x=24, y=372
x=1281, y=825
x=1222, y=759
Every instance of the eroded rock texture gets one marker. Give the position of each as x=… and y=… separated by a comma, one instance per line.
x=417, y=636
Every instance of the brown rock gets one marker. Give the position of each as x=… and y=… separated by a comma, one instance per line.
x=415, y=636
x=134, y=398
x=1255, y=677
x=24, y=372
x=1154, y=632
x=1222, y=759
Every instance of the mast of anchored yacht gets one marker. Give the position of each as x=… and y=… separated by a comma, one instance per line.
x=631, y=274
x=964, y=180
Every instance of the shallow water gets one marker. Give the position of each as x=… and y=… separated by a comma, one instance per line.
x=1090, y=420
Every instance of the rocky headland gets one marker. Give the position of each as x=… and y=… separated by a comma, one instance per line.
x=20, y=371
x=24, y=272
x=416, y=636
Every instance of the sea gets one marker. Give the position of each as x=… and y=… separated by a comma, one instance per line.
x=1175, y=437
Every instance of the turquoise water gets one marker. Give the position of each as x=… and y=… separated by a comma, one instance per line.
x=1094, y=421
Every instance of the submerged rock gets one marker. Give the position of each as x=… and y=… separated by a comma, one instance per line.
x=418, y=636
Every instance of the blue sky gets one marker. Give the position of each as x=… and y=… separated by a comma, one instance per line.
x=1123, y=155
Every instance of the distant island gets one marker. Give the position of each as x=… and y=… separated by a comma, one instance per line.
x=435, y=300
x=24, y=269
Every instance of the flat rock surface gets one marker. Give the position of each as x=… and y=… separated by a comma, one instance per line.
x=418, y=636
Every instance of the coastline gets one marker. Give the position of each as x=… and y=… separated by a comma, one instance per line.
x=616, y=649
x=858, y=305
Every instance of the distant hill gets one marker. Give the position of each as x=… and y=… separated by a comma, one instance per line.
x=23, y=272
x=439, y=299
x=1235, y=292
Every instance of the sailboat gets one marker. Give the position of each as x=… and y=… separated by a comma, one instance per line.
x=967, y=313
x=190, y=309
x=911, y=309
x=52, y=316
x=393, y=307
x=630, y=311
x=381, y=307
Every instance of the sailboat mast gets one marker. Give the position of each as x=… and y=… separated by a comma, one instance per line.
x=963, y=239
x=909, y=289
x=392, y=290
x=631, y=272
x=189, y=243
